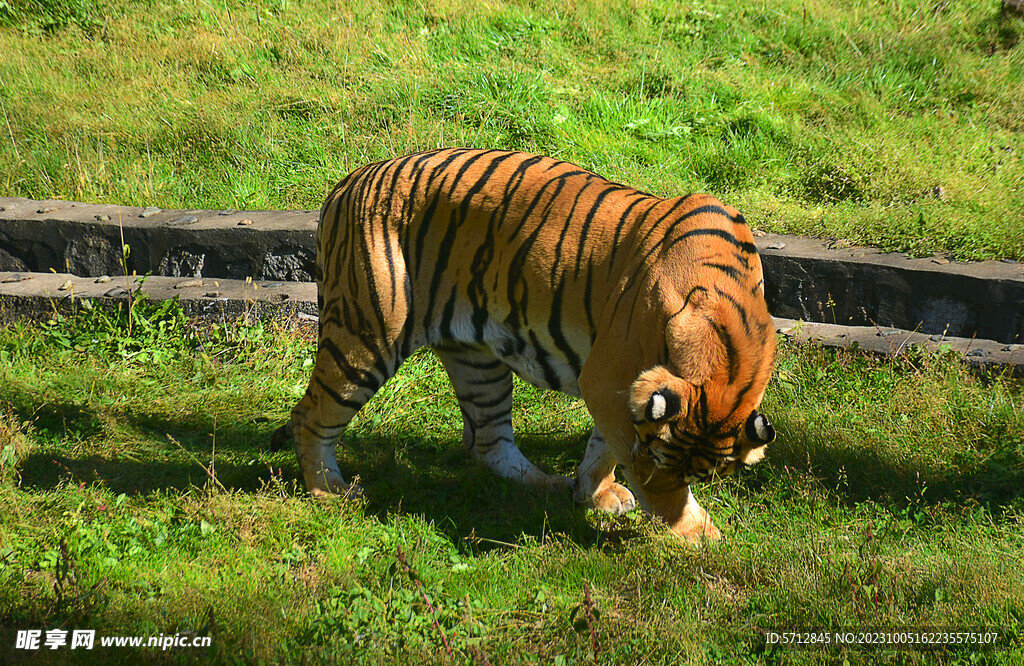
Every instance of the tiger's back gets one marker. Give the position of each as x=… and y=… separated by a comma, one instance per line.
x=501, y=260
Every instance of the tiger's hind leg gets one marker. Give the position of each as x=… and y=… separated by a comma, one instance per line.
x=595, y=480
x=341, y=383
x=483, y=386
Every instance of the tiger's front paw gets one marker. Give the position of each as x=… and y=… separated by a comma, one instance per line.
x=694, y=531
x=693, y=523
x=613, y=498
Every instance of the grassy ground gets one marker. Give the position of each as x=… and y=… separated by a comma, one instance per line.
x=137, y=493
x=138, y=497
x=894, y=123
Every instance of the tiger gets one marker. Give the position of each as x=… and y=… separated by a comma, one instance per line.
x=651, y=310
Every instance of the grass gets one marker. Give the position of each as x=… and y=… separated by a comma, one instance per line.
x=138, y=496
x=893, y=123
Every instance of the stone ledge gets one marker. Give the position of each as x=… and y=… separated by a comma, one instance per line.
x=805, y=278
x=86, y=240
x=37, y=296
x=826, y=281
x=894, y=341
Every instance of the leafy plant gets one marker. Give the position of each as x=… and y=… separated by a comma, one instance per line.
x=141, y=331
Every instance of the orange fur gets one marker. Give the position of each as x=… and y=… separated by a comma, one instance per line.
x=504, y=261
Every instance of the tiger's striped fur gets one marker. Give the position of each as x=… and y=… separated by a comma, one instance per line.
x=650, y=309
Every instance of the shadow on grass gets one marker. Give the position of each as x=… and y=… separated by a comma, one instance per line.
x=439, y=482
x=852, y=471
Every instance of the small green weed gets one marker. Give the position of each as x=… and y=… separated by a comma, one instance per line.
x=15, y=444
x=137, y=330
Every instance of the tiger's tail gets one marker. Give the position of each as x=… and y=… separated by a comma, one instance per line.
x=281, y=437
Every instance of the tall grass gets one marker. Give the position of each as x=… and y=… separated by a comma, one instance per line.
x=891, y=123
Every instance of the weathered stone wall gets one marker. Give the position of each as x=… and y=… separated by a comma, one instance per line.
x=805, y=278
x=36, y=296
x=86, y=240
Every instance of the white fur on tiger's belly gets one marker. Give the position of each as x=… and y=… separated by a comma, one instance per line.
x=504, y=344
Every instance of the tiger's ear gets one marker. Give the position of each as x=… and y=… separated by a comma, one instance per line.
x=658, y=395
x=758, y=429
x=662, y=405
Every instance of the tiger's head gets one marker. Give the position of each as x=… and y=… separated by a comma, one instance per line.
x=679, y=439
x=697, y=415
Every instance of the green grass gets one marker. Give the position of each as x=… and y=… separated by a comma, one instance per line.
x=138, y=496
x=830, y=119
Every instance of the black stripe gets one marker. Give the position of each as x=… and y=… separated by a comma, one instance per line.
x=559, y=182
x=336, y=397
x=685, y=437
x=690, y=294
x=456, y=219
x=739, y=398
x=521, y=257
x=701, y=210
x=415, y=196
x=440, y=268
x=686, y=302
x=623, y=220
x=702, y=407
x=479, y=183
x=730, y=348
x=749, y=248
x=439, y=170
x=370, y=278
x=321, y=427
x=654, y=227
x=391, y=223
x=632, y=286
x=585, y=229
x=728, y=270
x=556, y=264
x=484, y=381
x=480, y=317
x=739, y=308
x=483, y=402
x=486, y=364
x=555, y=329
x=514, y=184
x=542, y=359
x=588, y=306
x=447, y=314
x=354, y=375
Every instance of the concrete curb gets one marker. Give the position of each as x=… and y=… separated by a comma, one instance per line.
x=831, y=281
x=86, y=239
x=37, y=296
x=894, y=341
x=806, y=279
